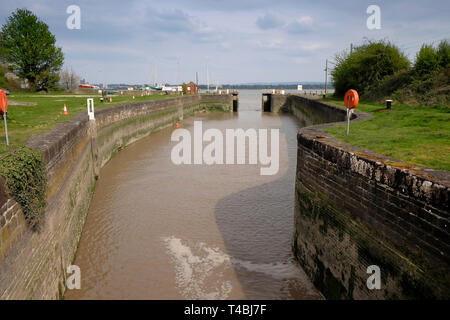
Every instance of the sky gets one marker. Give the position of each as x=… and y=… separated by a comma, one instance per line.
x=241, y=41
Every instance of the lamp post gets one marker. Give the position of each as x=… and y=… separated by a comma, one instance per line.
x=326, y=77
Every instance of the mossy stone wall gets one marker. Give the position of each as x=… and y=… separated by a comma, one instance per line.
x=354, y=209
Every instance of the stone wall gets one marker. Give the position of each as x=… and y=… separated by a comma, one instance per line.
x=278, y=102
x=354, y=209
x=33, y=263
x=12, y=223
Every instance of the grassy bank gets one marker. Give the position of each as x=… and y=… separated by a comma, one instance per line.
x=26, y=120
x=415, y=135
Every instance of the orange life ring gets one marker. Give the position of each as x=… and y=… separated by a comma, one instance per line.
x=3, y=102
x=353, y=96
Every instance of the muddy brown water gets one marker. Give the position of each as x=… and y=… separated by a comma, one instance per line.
x=156, y=230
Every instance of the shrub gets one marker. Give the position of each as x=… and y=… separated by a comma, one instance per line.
x=427, y=61
x=378, y=91
x=443, y=52
x=3, y=80
x=26, y=178
x=366, y=66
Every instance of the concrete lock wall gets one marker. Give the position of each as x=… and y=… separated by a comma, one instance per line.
x=33, y=263
x=355, y=209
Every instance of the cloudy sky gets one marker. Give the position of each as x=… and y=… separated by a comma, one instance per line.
x=242, y=40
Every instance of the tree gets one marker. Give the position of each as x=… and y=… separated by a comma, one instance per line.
x=29, y=48
x=69, y=79
x=366, y=66
x=444, y=53
x=427, y=61
x=47, y=80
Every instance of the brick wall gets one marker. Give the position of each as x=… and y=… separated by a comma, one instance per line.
x=355, y=208
x=33, y=263
x=11, y=219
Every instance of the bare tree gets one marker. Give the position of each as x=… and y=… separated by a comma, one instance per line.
x=69, y=79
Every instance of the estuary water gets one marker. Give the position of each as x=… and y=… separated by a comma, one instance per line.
x=156, y=230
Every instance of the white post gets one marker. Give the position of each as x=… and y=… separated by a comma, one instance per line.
x=90, y=108
x=348, y=115
x=6, y=129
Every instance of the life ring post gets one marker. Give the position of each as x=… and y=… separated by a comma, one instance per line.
x=351, y=100
x=4, y=111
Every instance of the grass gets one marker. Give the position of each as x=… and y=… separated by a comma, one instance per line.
x=24, y=121
x=415, y=135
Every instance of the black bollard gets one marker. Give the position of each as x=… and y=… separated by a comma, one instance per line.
x=388, y=104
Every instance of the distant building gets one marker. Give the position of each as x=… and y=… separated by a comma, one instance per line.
x=191, y=88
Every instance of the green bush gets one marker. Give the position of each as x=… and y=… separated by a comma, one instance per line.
x=378, y=91
x=26, y=178
x=46, y=81
x=433, y=90
x=3, y=80
x=366, y=66
x=426, y=84
x=443, y=51
x=427, y=61
x=407, y=88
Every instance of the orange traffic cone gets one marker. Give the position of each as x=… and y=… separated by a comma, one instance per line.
x=65, y=110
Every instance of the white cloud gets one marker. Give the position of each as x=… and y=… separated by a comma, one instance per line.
x=299, y=60
x=270, y=21
x=270, y=43
x=300, y=25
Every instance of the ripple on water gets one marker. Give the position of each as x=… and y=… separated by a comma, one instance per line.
x=200, y=265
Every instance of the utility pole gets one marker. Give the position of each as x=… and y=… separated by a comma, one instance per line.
x=196, y=79
x=326, y=76
x=207, y=75
x=178, y=72
x=351, y=48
